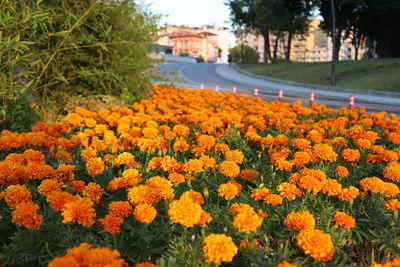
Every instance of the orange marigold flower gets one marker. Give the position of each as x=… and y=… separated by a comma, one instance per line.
x=111, y=223
x=26, y=214
x=93, y=191
x=182, y=130
x=316, y=243
x=163, y=187
x=181, y=145
x=131, y=176
x=391, y=190
x=349, y=193
x=249, y=175
x=193, y=195
x=344, y=220
x=341, y=171
x=193, y=165
x=234, y=156
x=150, y=132
x=373, y=184
x=350, y=155
x=208, y=162
x=285, y=264
x=16, y=194
x=229, y=168
x=289, y=190
x=127, y=159
x=206, y=141
x=300, y=220
x=80, y=211
x=78, y=185
x=49, y=186
x=219, y=248
x=219, y=147
x=144, y=264
x=363, y=143
x=300, y=143
x=95, y=166
x=120, y=208
x=185, y=211
x=58, y=199
x=392, y=171
x=310, y=184
x=324, y=152
x=227, y=190
x=273, y=199
x=259, y=193
x=332, y=187
x=204, y=218
x=247, y=221
x=144, y=213
x=65, y=172
x=237, y=208
x=392, y=204
x=301, y=158
x=394, y=138
x=63, y=261
x=142, y=194
x=176, y=178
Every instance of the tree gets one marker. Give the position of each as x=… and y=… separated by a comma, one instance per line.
x=244, y=53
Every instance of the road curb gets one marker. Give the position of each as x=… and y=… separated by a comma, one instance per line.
x=321, y=87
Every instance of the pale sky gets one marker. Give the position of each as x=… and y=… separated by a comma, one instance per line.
x=193, y=13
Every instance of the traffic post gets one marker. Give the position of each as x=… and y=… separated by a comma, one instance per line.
x=280, y=97
x=234, y=90
x=351, y=104
x=312, y=94
x=255, y=92
x=202, y=86
x=217, y=88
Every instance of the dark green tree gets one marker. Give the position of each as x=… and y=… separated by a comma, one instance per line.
x=244, y=53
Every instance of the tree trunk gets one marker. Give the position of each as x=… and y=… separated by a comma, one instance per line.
x=289, y=46
x=267, y=49
x=338, y=43
x=278, y=35
x=356, y=53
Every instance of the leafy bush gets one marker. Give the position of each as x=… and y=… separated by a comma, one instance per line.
x=244, y=53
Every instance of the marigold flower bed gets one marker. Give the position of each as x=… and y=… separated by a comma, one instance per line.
x=198, y=178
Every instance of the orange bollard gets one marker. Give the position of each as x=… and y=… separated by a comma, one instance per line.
x=280, y=98
x=351, y=104
x=312, y=94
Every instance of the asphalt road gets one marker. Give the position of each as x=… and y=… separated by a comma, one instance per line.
x=191, y=75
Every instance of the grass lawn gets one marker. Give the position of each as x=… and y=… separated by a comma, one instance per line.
x=372, y=74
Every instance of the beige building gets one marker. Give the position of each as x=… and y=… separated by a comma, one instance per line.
x=315, y=46
x=211, y=43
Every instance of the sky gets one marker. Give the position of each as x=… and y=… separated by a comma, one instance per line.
x=193, y=13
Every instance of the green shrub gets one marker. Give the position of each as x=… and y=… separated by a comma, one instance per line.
x=244, y=53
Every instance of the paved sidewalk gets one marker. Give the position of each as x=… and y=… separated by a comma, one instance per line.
x=367, y=96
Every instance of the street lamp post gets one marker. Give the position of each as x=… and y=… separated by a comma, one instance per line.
x=333, y=68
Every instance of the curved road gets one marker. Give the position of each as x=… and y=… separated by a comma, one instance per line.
x=193, y=74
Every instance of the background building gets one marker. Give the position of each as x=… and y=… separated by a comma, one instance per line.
x=209, y=43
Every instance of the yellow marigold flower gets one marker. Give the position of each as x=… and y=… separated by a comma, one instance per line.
x=17, y=194
x=259, y=193
x=150, y=132
x=227, y=191
x=144, y=264
x=392, y=204
x=300, y=220
x=144, y=213
x=234, y=156
x=344, y=220
x=185, y=211
x=80, y=211
x=163, y=187
x=349, y=193
x=132, y=177
x=391, y=190
x=120, y=208
x=95, y=166
x=229, y=168
x=49, y=186
x=392, y=171
x=219, y=248
x=249, y=175
x=285, y=264
x=373, y=184
x=111, y=223
x=324, y=152
x=332, y=187
x=341, y=171
x=143, y=194
x=204, y=218
x=193, y=165
x=193, y=195
x=58, y=199
x=316, y=243
x=26, y=214
x=350, y=155
x=273, y=199
x=181, y=145
x=93, y=191
x=288, y=190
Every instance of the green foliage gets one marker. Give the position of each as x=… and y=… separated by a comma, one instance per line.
x=244, y=53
